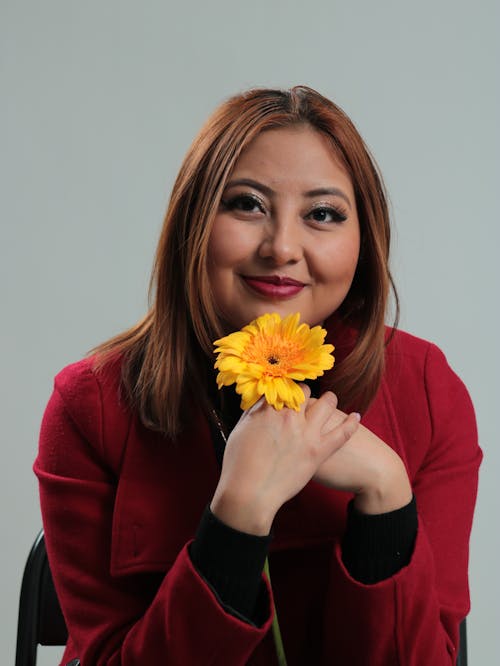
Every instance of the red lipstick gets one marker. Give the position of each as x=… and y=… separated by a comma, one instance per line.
x=273, y=286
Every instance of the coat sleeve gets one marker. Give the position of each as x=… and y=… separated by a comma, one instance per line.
x=172, y=618
x=413, y=617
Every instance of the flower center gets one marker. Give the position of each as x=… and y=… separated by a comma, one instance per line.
x=276, y=354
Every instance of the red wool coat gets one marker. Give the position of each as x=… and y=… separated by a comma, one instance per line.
x=120, y=504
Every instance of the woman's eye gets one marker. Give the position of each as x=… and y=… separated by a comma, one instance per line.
x=244, y=203
x=327, y=214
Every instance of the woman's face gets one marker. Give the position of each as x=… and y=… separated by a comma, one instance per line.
x=286, y=237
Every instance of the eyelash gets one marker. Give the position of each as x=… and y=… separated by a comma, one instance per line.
x=337, y=213
x=232, y=203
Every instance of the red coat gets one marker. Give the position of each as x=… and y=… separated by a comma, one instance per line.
x=120, y=504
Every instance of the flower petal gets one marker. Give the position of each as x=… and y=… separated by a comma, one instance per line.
x=268, y=355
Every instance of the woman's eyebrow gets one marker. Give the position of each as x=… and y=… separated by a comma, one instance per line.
x=335, y=191
x=251, y=183
x=268, y=191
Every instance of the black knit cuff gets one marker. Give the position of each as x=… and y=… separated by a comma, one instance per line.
x=231, y=562
x=376, y=547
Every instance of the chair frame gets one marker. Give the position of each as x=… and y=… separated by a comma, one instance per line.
x=462, y=652
x=38, y=597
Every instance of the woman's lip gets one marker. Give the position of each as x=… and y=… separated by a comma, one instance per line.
x=274, y=279
x=273, y=288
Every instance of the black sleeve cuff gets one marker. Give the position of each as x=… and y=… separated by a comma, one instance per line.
x=376, y=547
x=231, y=562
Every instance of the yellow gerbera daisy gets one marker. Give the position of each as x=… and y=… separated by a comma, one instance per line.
x=268, y=355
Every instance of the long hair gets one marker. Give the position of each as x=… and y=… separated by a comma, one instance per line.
x=165, y=355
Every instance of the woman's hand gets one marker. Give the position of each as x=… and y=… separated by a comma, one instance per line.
x=271, y=455
x=367, y=467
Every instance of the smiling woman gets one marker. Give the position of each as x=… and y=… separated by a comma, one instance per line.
x=180, y=497
x=286, y=237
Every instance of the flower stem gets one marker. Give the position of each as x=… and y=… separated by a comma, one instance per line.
x=278, y=641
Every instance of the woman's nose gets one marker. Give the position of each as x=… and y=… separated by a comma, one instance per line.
x=282, y=241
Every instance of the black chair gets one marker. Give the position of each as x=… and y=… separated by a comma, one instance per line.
x=462, y=653
x=41, y=621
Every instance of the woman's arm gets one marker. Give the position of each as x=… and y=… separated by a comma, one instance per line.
x=127, y=620
x=412, y=618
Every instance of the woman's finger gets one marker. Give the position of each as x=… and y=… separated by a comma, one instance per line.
x=319, y=411
x=341, y=433
x=307, y=393
x=255, y=407
x=337, y=437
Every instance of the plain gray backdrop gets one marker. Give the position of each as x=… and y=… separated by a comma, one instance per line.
x=100, y=101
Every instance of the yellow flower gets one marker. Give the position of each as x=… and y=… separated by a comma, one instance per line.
x=268, y=355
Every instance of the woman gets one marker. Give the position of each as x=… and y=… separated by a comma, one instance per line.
x=157, y=529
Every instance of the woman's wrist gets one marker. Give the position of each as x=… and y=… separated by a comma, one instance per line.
x=377, y=503
x=242, y=515
x=389, y=493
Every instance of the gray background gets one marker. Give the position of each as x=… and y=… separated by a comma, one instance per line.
x=100, y=101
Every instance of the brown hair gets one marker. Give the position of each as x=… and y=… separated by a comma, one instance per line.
x=169, y=350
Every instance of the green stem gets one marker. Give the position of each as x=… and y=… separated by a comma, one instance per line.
x=278, y=641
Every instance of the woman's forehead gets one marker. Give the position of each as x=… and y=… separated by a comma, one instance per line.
x=297, y=155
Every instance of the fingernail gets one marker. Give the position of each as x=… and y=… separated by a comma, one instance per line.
x=358, y=416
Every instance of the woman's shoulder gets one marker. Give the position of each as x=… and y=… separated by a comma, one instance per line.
x=90, y=390
x=433, y=407
x=407, y=352
x=422, y=369
x=89, y=376
x=402, y=343
x=88, y=371
x=88, y=399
